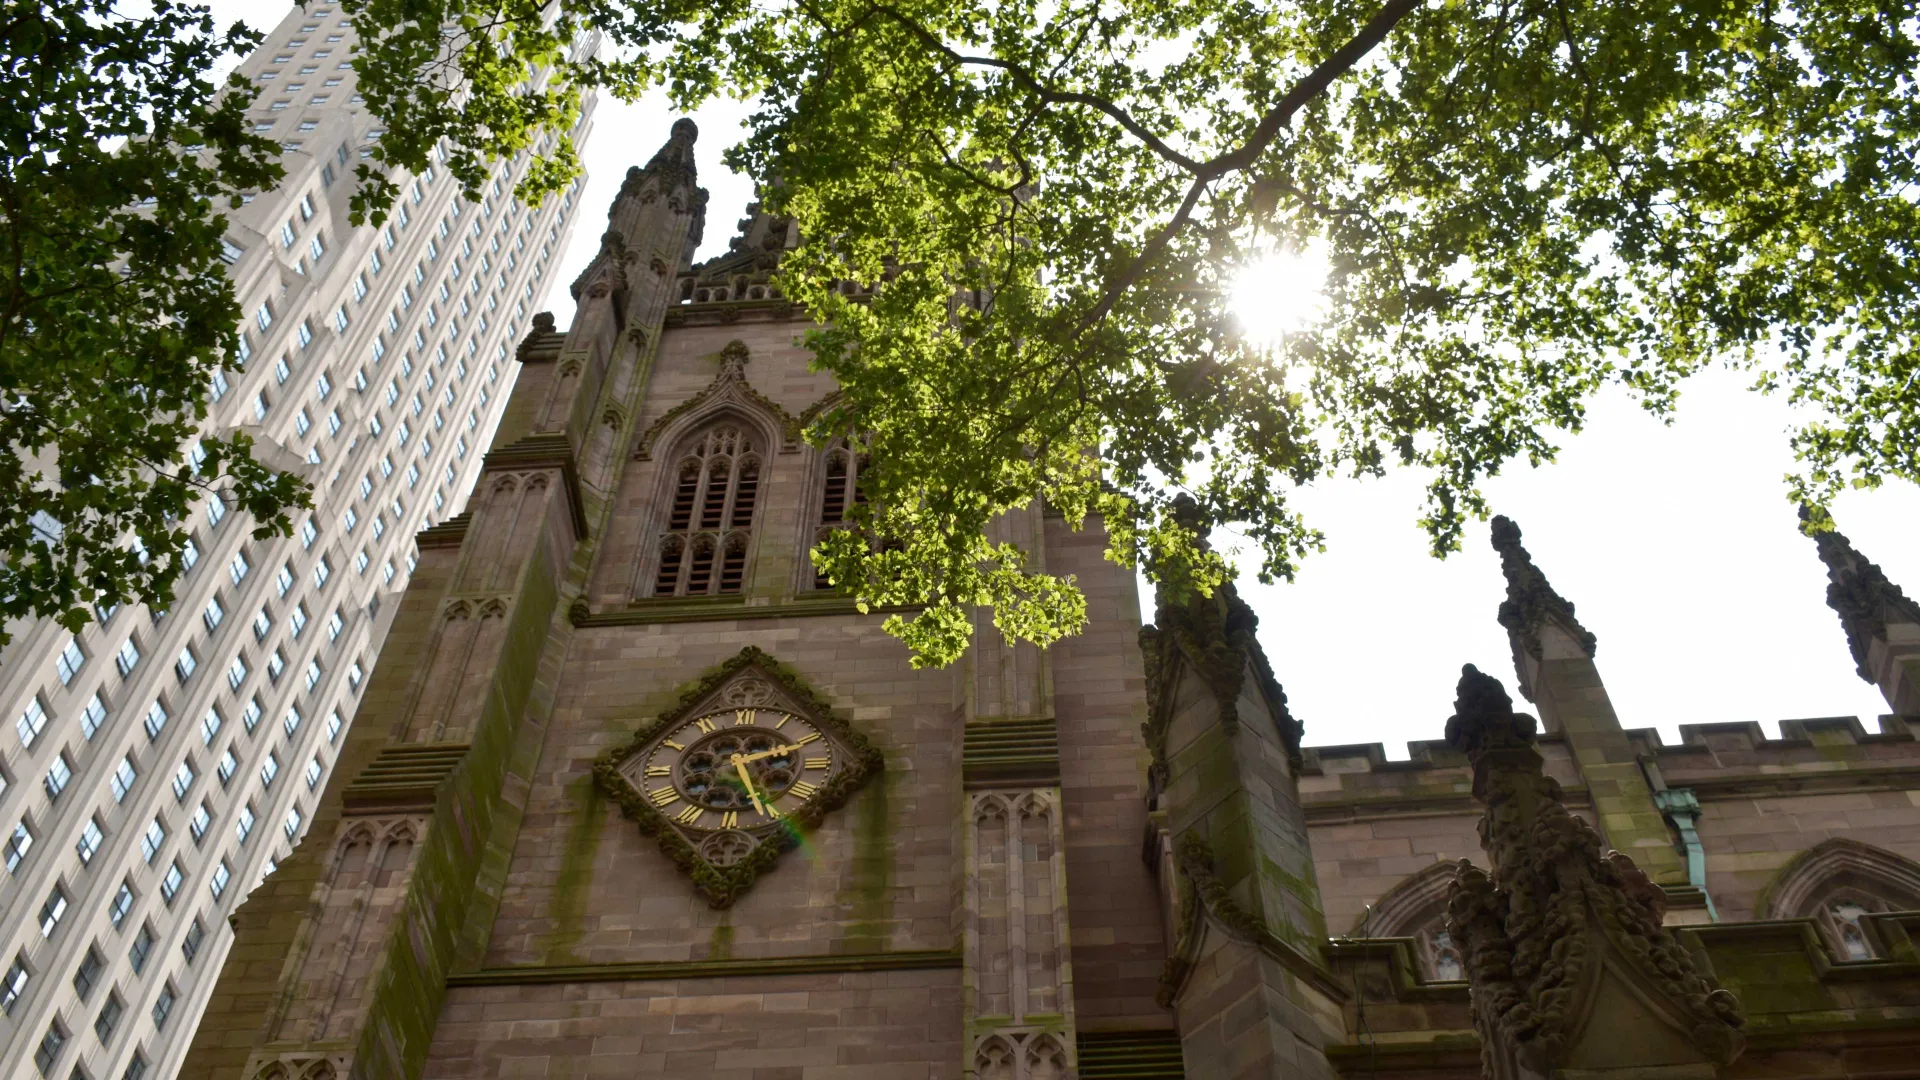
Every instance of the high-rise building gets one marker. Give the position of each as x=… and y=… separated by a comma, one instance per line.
x=160, y=764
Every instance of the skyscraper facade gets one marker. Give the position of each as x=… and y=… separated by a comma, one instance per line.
x=160, y=764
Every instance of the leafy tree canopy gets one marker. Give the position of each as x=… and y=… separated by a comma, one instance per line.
x=116, y=158
x=1522, y=202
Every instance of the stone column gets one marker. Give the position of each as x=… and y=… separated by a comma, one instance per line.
x=1246, y=977
x=1573, y=975
x=1553, y=657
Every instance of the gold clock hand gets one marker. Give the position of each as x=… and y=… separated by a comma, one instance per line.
x=775, y=752
x=740, y=766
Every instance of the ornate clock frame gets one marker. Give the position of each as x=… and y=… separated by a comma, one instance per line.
x=721, y=885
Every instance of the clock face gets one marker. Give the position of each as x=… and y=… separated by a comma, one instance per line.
x=739, y=768
x=735, y=779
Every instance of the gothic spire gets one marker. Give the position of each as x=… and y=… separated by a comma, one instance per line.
x=1531, y=602
x=1860, y=593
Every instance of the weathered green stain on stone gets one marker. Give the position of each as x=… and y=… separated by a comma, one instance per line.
x=869, y=894
x=586, y=822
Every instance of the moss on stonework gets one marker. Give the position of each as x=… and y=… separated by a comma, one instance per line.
x=721, y=947
x=869, y=894
x=585, y=824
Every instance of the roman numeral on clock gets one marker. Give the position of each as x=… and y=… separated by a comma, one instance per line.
x=688, y=816
x=666, y=796
x=670, y=742
x=744, y=716
x=659, y=770
x=705, y=723
x=803, y=789
x=811, y=736
x=784, y=717
x=818, y=762
x=730, y=819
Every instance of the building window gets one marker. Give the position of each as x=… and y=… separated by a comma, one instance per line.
x=89, y=842
x=252, y=713
x=841, y=491
x=152, y=841
x=142, y=948
x=243, y=824
x=292, y=721
x=703, y=549
x=170, y=884
x=109, y=1017
x=190, y=944
x=87, y=976
x=70, y=661
x=221, y=875
x=136, y=1068
x=182, y=781
x=122, y=779
x=283, y=580
x=32, y=722
x=127, y=657
x=237, y=672
x=314, y=770
x=237, y=570
x=276, y=664
x=122, y=903
x=333, y=726
x=269, y=769
x=210, y=726
x=291, y=826
x=18, y=845
x=185, y=665
x=48, y=1055
x=202, y=818
x=15, y=984
x=163, y=1006
x=156, y=719
x=92, y=715
x=58, y=775
x=213, y=614
x=53, y=911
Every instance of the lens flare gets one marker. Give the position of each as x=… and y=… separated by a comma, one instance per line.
x=1279, y=293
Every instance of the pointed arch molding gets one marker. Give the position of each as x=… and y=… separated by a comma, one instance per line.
x=722, y=885
x=1405, y=909
x=1835, y=864
x=729, y=391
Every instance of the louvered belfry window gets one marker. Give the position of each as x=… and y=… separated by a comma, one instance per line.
x=840, y=492
x=703, y=549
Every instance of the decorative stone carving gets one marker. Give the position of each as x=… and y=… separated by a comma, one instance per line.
x=1564, y=946
x=682, y=805
x=1859, y=592
x=1019, y=981
x=1531, y=602
x=729, y=388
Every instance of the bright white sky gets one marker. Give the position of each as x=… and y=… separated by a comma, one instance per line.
x=1675, y=542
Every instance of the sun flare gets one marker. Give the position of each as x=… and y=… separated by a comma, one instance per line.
x=1279, y=293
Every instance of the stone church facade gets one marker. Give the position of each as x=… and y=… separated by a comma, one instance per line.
x=631, y=793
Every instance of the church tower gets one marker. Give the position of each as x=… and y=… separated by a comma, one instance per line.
x=634, y=793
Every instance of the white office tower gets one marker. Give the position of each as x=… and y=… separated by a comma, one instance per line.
x=160, y=764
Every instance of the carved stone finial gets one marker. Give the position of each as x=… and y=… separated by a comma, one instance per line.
x=1858, y=591
x=543, y=322
x=1483, y=716
x=733, y=360
x=1562, y=940
x=1531, y=602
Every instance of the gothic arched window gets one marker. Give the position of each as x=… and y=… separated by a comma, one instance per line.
x=1839, y=883
x=703, y=549
x=840, y=492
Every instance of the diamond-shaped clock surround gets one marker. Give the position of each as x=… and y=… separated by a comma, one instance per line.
x=722, y=885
